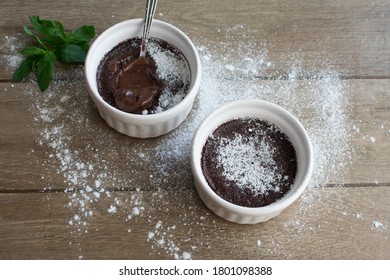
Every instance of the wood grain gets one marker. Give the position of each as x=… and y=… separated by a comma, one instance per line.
x=333, y=223
x=25, y=161
x=353, y=35
x=54, y=146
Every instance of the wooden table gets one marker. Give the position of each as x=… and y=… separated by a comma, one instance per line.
x=56, y=153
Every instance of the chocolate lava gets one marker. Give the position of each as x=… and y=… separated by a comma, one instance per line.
x=136, y=90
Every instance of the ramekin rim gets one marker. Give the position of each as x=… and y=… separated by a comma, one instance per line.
x=243, y=210
x=148, y=118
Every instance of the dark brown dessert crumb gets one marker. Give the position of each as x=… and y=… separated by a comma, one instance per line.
x=249, y=162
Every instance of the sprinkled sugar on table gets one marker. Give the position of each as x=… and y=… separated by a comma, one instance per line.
x=73, y=188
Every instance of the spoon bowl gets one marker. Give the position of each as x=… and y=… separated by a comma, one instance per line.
x=149, y=15
x=131, y=95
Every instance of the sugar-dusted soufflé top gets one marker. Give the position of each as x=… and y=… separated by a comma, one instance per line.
x=249, y=162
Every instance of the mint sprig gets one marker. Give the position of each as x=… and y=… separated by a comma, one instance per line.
x=53, y=44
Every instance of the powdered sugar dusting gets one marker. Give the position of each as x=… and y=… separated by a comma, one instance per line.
x=378, y=225
x=11, y=46
x=132, y=181
x=173, y=69
x=245, y=153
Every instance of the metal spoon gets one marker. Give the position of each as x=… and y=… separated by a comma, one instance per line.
x=149, y=14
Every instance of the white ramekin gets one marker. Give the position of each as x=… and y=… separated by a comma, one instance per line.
x=266, y=111
x=142, y=126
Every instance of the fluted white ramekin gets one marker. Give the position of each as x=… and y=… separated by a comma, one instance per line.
x=143, y=126
x=266, y=111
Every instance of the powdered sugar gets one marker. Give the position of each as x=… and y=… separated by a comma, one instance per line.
x=378, y=225
x=12, y=45
x=245, y=154
x=173, y=69
x=131, y=181
x=321, y=105
x=162, y=238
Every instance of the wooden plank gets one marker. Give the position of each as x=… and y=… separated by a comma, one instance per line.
x=53, y=142
x=71, y=187
x=371, y=118
x=325, y=223
x=351, y=35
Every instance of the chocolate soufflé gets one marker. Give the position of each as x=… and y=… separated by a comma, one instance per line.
x=249, y=162
x=144, y=89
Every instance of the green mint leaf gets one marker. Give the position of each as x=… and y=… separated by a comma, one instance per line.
x=72, y=53
x=83, y=34
x=47, y=27
x=32, y=35
x=32, y=51
x=46, y=70
x=40, y=25
x=25, y=68
x=51, y=30
x=51, y=24
x=53, y=43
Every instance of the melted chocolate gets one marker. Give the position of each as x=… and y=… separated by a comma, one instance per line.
x=138, y=88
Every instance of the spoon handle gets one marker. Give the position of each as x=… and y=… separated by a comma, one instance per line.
x=149, y=14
